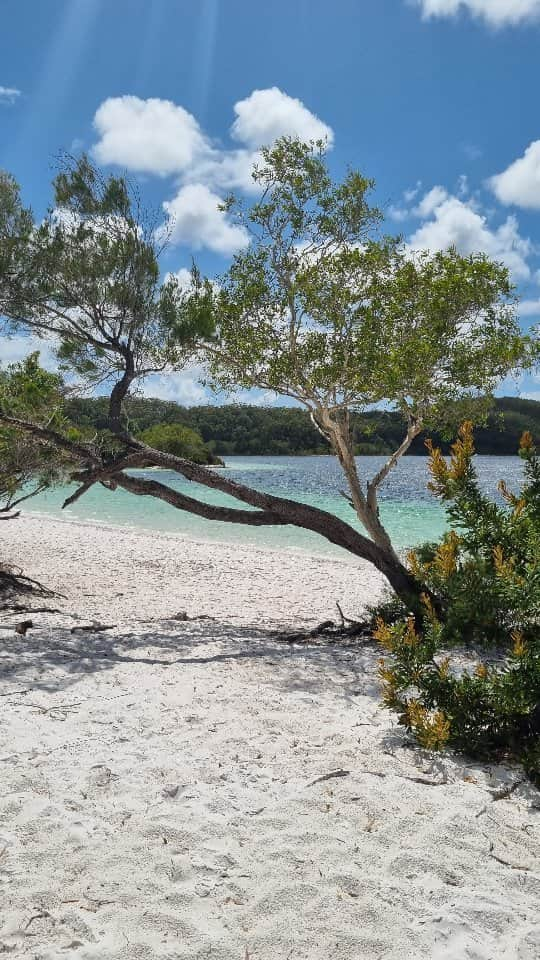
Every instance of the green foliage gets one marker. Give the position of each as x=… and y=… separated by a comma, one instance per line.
x=485, y=573
x=89, y=275
x=487, y=568
x=28, y=392
x=244, y=429
x=320, y=307
x=179, y=440
x=16, y=225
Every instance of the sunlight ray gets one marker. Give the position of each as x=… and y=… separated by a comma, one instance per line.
x=57, y=78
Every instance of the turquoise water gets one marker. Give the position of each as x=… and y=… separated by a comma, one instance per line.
x=410, y=512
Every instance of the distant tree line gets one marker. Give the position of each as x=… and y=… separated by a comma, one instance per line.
x=240, y=429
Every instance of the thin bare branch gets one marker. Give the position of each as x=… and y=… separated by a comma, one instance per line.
x=414, y=428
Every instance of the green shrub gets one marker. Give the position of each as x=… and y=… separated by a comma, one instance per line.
x=179, y=440
x=482, y=593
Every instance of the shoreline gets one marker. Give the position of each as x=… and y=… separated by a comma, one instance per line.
x=223, y=579
x=348, y=559
x=198, y=789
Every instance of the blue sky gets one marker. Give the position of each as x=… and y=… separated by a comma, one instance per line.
x=435, y=99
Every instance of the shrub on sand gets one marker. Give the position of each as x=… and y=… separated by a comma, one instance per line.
x=467, y=673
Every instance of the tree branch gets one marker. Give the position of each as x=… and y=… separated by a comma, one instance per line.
x=27, y=496
x=415, y=427
x=287, y=511
x=269, y=509
x=102, y=474
x=153, y=488
x=119, y=393
x=80, y=491
x=52, y=436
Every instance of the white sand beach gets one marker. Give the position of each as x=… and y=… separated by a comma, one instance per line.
x=197, y=789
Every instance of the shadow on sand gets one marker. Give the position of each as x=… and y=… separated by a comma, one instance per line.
x=52, y=658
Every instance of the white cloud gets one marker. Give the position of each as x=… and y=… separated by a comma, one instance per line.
x=430, y=201
x=528, y=387
x=9, y=95
x=412, y=193
x=399, y=214
x=183, y=276
x=186, y=389
x=401, y=211
x=520, y=182
x=268, y=114
x=194, y=218
x=529, y=308
x=15, y=348
x=183, y=387
x=256, y=398
x=456, y=222
x=497, y=13
x=226, y=170
x=260, y=119
x=151, y=136
x=161, y=137
x=463, y=185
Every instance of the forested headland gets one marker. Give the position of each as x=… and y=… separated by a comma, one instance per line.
x=241, y=429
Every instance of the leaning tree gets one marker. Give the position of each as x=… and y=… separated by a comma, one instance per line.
x=321, y=308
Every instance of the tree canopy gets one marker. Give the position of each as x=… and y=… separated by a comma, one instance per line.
x=88, y=276
x=324, y=309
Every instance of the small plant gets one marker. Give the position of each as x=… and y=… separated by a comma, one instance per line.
x=485, y=575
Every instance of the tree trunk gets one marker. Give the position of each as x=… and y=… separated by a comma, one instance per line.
x=272, y=510
x=268, y=509
x=339, y=435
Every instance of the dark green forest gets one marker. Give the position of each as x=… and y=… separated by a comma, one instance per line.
x=258, y=431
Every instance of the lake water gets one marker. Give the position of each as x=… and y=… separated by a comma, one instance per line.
x=410, y=512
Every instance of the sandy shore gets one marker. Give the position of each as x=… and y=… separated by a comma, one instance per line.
x=177, y=789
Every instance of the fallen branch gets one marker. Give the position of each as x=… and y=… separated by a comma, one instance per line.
x=22, y=608
x=330, y=776
x=13, y=582
x=37, y=916
x=183, y=617
x=345, y=619
x=506, y=792
x=505, y=863
x=331, y=631
x=93, y=627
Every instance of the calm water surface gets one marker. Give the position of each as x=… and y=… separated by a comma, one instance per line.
x=410, y=512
